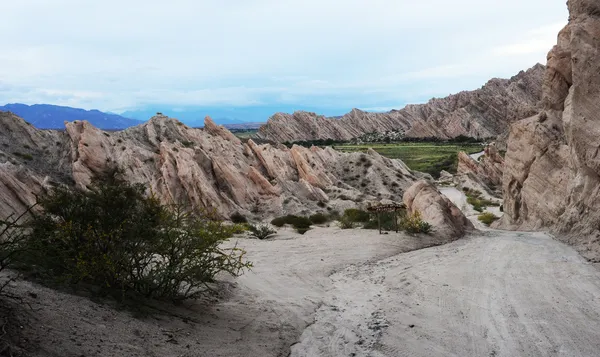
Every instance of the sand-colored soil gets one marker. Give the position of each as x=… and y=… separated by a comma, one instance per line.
x=336, y=292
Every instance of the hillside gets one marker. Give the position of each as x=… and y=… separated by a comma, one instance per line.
x=207, y=168
x=482, y=113
x=45, y=116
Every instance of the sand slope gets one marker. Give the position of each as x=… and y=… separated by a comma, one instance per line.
x=339, y=292
x=496, y=294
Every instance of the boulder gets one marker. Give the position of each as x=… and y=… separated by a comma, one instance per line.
x=448, y=220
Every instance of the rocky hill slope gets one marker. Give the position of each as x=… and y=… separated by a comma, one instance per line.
x=207, y=168
x=482, y=113
x=552, y=169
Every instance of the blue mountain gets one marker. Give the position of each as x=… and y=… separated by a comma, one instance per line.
x=45, y=116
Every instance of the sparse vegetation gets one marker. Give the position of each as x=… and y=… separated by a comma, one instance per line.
x=429, y=157
x=319, y=218
x=261, y=231
x=187, y=144
x=487, y=218
x=357, y=215
x=346, y=223
x=115, y=237
x=238, y=218
x=27, y=157
x=479, y=204
x=413, y=223
x=297, y=222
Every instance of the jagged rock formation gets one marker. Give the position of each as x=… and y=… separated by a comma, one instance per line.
x=482, y=113
x=208, y=168
x=489, y=168
x=436, y=209
x=552, y=171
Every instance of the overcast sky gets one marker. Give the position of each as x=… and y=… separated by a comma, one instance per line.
x=373, y=54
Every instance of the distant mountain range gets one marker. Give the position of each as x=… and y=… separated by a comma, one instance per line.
x=45, y=116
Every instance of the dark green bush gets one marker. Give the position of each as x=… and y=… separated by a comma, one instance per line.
x=302, y=230
x=356, y=215
x=238, y=218
x=295, y=221
x=261, y=231
x=115, y=237
x=319, y=218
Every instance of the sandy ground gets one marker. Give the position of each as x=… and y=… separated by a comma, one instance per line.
x=477, y=155
x=496, y=294
x=261, y=313
x=340, y=293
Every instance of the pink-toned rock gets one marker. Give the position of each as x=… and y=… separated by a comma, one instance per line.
x=448, y=220
x=482, y=113
x=552, y=171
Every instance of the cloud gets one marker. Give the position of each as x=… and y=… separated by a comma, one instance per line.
x=125, y=54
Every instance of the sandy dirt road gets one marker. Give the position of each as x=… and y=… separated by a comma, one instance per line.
x=334, y=292
x=494, y=294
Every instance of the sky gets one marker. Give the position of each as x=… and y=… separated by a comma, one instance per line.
x=130, y=55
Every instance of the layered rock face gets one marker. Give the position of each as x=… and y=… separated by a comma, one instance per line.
x=552, y=170
x=448, y=220
x=207, y=168
x=484, y=174
x=482, y=113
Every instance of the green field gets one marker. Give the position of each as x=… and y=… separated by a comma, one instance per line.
x=244, y=133
x=424, y=157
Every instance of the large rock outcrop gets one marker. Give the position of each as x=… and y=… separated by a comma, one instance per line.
x=207, y=168
x=552, y=171
x=448, y=220
x=482, y=113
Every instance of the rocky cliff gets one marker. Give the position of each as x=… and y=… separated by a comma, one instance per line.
x=208, y=168
x=552, y=170
x=482, y=113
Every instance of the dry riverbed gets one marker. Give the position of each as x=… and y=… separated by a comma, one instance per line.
x=339, y=292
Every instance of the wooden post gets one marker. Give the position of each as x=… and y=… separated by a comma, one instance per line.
x=396, y=220
x=379, y=221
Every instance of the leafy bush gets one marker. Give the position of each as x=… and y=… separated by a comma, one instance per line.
x=261, y=231
x=356, y=215
x=238, y=218
x=388, y=222
x=413, y=223
x=346, y=223
x=319, y=218
x=295, y=221
x=487, y=218
x=115, y=237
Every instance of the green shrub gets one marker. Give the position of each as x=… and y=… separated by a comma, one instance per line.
x=346, y=223
x=487, y=218
x=261, y=231
x=279, y=221
x=319, y=218
x=299, y=222
x=302, y=230
x=356, y=215
x=27, y=157
x=295, y=221
x=388, y=222
x=238, y=218
x=413, y=223
x=115, y=237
